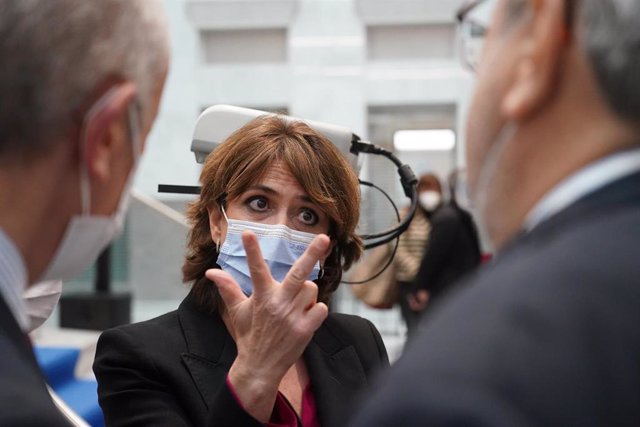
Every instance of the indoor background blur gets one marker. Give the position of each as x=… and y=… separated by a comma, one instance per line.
x=376, y=66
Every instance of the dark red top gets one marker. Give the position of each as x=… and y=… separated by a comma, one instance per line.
x=284, y=415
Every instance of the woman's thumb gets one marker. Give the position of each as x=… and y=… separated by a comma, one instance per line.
x=229, y=289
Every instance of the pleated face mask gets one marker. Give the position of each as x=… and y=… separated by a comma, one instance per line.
x=281, y=246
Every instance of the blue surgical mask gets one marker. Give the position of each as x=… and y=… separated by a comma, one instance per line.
x=280, y=245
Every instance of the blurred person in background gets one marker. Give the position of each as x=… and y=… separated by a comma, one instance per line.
x=409, y=254
x=253, y=343
x=547, y=334
x=80, y=84
x=453, y=248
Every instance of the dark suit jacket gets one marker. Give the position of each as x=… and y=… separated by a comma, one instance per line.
x=171, y=370
x=548, y=335
x=24, y=399
x=452, y=250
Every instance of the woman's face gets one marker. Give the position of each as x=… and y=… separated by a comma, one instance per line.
x=278, y=199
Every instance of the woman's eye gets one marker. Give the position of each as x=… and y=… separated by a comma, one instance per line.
x=258, y=203
x=308, y=217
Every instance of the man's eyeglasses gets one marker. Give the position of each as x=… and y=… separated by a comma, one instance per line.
x=474, y=19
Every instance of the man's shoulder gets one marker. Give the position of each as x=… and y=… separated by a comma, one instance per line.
x=549, y=325
x=24, y=399
x=591, y=249
x=590, y=256
x=547, y=288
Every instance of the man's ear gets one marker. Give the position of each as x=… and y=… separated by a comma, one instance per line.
x=105, y=129
x=540, y=61
x=215, y=218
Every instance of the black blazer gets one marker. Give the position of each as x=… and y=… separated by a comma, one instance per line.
x=451, y=251
x=548, y=335
x=24, y=399
x=171, y=371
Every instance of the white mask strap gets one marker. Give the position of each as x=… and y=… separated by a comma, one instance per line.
x=85, y=186
x=134, y=128
x=224, y=213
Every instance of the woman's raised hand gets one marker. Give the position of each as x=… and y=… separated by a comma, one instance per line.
x=273, y=326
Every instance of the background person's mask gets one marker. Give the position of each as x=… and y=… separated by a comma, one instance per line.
x=280, y=246
x=40, y=300
x=429, y=200
x=88, y=235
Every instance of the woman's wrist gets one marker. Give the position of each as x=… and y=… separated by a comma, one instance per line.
x=255, y=390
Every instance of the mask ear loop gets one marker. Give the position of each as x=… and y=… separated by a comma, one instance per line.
x=134, y=113
x=227, y=219
x=224, y=213
x=85, y=186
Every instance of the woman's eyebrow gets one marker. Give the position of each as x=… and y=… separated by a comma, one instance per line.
x=264, y=188
x=269, y=190
x=305, y=198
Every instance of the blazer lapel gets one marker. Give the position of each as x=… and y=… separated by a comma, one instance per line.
x=12, y=330
x=337, y=375
x=622, y=193
x=210, y=348
x=335, y=368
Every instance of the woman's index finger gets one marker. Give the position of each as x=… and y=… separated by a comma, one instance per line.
x=258, y=268
x=303, y=266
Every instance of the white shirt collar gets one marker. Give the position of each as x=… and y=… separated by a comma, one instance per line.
x=13, y=279
x=587, y=180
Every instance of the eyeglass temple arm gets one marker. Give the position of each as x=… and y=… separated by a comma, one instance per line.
x=462, y=12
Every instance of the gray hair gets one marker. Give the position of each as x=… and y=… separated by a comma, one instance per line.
x=610, y=32
x=54, y=53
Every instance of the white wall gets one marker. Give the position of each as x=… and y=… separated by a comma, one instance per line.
x=373, y=65
x=328, y=60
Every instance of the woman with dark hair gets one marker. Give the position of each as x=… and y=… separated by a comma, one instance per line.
x=253, y=343
x=453, y=248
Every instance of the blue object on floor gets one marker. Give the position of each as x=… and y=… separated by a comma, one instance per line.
x=58, y=365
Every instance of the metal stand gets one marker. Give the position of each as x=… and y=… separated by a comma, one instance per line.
x=98, y=310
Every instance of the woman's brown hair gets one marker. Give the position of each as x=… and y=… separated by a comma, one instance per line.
x=242, y=160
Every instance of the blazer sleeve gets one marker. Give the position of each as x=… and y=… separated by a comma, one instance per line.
x=132, y=392
x=129, y=388
x=382, y=360
x=368, y=343
x=443, y=233
x=226, y=411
